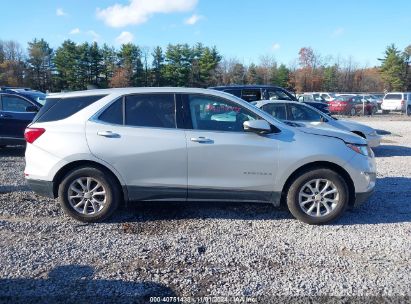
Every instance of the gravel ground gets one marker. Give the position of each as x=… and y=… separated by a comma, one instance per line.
x=245, y=250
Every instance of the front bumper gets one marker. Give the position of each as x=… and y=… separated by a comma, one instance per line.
x=41, y=187
x=362, y=197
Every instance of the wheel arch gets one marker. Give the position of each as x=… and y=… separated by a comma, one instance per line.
x=62, y=172
x=319, y=165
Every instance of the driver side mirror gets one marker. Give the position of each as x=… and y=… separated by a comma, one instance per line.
x=32, y=109
x=257, y=126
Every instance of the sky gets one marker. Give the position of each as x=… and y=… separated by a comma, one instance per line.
x=241, y=29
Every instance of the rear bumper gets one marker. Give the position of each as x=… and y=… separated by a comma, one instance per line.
x=41, y=187
x=362, y=197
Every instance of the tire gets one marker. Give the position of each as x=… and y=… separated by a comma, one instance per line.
x=409, y=110
x=83, y=179
x=337, y=202
x=353, y=112
x=374, y=110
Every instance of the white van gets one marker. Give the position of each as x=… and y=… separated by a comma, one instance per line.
x=397, y=101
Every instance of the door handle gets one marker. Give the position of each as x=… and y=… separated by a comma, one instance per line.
x=5, y=116
x=201, y=139
x=108, y=134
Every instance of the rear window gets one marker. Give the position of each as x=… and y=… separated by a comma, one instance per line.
x=393, y=96
x=61, y=108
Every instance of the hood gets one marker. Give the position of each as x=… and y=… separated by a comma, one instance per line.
x=347, y=137
x=353, y=126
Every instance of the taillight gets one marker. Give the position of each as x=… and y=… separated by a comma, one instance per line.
x=31, y=134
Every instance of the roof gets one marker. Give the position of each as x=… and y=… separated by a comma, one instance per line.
x=131, y=90
x=248, y=86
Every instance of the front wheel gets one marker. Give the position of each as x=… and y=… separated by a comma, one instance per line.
x=318, y=196
x=89, y=195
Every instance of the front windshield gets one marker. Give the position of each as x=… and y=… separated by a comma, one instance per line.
x=38, y=97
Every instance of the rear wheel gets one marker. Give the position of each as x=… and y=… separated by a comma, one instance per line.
x=89, y=194
x=318, y=196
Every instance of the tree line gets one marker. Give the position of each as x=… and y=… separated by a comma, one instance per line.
x=74, y=66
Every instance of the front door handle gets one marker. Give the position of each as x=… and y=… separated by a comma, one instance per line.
x=202, y=140
x=108, y=134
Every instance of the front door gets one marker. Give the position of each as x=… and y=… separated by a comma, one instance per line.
x=14, y=117
x=137, y=135
x=224, y=162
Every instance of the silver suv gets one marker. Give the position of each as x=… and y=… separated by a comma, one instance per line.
x=95, y=149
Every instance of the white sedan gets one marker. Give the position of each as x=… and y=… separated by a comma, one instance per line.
x=291, y=112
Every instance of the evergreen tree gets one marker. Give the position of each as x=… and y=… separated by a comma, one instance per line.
x=65, y=61
x=158, y=66
x=393, y=69
x=40, y=66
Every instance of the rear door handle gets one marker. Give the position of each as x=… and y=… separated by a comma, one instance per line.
x=108, y=134
x=201, y=140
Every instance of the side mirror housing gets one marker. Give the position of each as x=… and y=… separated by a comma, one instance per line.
x=32, y=109
x=257, y=126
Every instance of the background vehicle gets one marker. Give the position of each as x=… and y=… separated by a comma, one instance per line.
x=370, y=104
x=379, y=97
x=167, y=144
x=17, y=109
x=309, y=116
x=397, y=101
x=327, y=96
x=311, y=97
x=253, y=93
x=349, y=105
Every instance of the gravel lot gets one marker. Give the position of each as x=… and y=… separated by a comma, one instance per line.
x=209, y=249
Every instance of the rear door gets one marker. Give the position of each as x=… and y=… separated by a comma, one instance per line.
x=137, y=135
x=15, y=116
x=224, y=162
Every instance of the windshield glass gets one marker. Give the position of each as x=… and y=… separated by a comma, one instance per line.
x=39, y=97
x=393, y=96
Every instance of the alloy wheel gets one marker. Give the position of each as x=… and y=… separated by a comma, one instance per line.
x=318, y=197
x=87, y=195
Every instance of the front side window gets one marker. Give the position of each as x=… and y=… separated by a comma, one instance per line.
x=217, y=114
x=14, y=103
x=302, y=113
x=278, y=94
x=276, y=110
x=150, y=110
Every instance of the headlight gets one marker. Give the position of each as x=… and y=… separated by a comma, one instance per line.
x=373, y=133
x=361, y=149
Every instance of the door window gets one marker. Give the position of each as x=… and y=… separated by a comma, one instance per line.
x=14, y=103
x=151, y=110
x=114, y=113
x=215, y=114
x=276, y=110
x=303, y=113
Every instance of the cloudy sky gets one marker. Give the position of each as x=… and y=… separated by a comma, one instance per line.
x=238, y=28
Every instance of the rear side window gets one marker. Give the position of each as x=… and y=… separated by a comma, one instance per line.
x=235, y=92
x=251, y=95
x=61, y=108
x=151, y=110
x=393, y=96
x=114, y=113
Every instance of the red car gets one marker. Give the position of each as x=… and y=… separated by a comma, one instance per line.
x=349, y=105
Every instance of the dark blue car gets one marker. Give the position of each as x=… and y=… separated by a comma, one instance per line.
x=18, y=107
